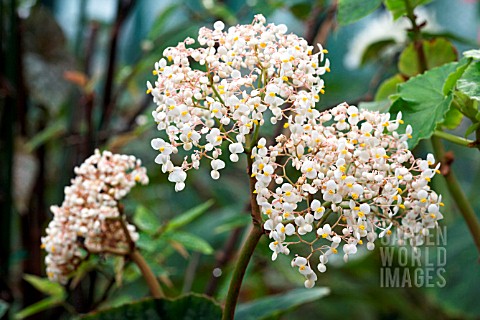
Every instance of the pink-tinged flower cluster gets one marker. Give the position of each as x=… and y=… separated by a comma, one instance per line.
x=224, y=90
x=89, y=219
x=340, y=181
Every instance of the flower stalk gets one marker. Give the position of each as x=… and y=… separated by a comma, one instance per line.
x=147, y=273
x=246, y=252
x=453, y=138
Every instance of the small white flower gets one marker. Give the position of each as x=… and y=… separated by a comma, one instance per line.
x=178, y=176
x=216, y=164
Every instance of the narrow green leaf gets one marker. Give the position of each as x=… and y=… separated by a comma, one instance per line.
x=50, y=132
x=146, y=220
x=236, y=221
x=422, y=102
x=472, y=129
x=188, y=216
x=190, y=307
x=38, y=307
x=398, y=8
x=189, y=241
x=388, y=87
x=46, y=286
x=158, y=25
x=350, y=11
x=279, y=304
x=469, y=83
x=437, y=52
x=380, y=106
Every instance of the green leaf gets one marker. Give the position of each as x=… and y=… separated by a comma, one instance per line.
x=469, y=83
x=453, y=118
x=350, y=11
x=380, y=106
x=437, y=52
x=3, y=308
x=373, y=51
x=451, y=36
x=223, y=12
x=146, y=220
x=301, y=10
x=276, y=305
x=188, y=216
x=472, y=129
x=388, y=87
x=190, y=307
x=422, y=102
x=46, y=286
x=49, y=133
x=398, y=8
x=452, y=79
x=189, y=241
x=38, y=307
x=236, y=221
x=158, y=26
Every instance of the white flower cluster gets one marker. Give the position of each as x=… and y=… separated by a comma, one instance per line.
x=89, y=216
x=223, y=90
x=349, y=168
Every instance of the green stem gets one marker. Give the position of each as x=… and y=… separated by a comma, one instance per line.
x=458, y=195
x=246, y=252
x=239, y=272
x=147, y=273
x=453, y=138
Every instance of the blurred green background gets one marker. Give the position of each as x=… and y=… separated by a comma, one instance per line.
x=73, y=77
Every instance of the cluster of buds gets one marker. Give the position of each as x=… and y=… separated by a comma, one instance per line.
x=90, y=220
x=340, y=180
x=224, y=90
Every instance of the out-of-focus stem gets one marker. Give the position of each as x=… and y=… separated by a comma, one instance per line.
x=147, y=273
x=417, y=38
x=458, y=195
x=136, y=257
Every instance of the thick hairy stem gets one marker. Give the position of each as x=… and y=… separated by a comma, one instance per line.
x=458, y=195
x=147, y=273
x=246, y=252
